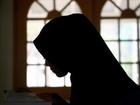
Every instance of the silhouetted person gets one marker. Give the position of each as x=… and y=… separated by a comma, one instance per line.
x=72, y=44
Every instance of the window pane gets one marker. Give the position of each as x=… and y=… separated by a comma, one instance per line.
x=36, y=11
x=138, y=12
x=109, y=29
x=128, y=29
x=121, y=3
x=33, y=28
x=134, y=3
x=132, y=71
x=52, y=80
x=48, y=4
x=72, y=8
x=67, y=80
x=110, y=10
x=60, y=4
x=33, y=56
x=129, y=51
x=35, y=76
x=113, y=46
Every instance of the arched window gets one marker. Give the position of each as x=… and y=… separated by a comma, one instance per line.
x=40, y=12
x=120, y=28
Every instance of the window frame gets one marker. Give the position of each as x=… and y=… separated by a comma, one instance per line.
x=50, y=13
x=20, y=9
x=127, y=15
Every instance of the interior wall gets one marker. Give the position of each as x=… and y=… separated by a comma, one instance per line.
x=6, y=44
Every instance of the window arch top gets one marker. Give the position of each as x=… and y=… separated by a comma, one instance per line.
x=134, y=4
x=36, y=11
x=43, y=8
x=122, y=4
x=114, y=8
x=47, y=4
x=110, y=9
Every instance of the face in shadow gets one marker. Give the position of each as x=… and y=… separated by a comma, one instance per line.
x=62, y=42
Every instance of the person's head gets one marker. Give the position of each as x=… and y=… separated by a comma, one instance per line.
x=64, y=41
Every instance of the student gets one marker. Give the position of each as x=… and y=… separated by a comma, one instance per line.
x=72, y=44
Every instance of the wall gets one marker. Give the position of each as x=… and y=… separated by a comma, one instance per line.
x=6, y=44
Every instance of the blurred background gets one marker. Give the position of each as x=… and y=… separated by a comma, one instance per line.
x=21, y=65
